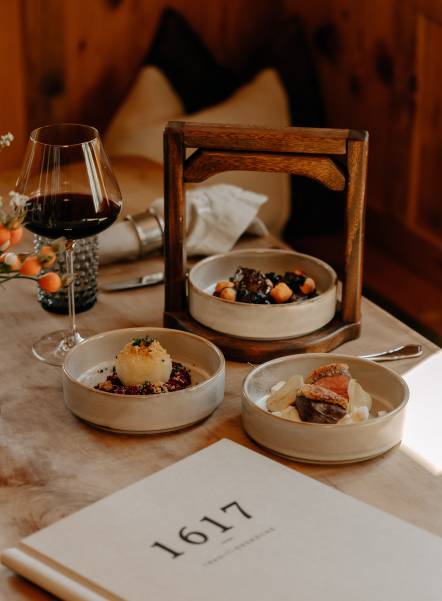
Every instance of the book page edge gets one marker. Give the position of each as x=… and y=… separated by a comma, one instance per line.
x=48, y=578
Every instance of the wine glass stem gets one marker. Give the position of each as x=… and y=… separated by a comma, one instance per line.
x=70, y=245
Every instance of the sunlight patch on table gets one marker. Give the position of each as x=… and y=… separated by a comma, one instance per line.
x=422, y=438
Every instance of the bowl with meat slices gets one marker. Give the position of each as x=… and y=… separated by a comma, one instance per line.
x=324, y=408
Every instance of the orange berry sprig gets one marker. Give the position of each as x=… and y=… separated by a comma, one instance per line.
x=26, y=266
x=5, y=237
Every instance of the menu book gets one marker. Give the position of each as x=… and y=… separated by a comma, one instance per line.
x=228, y=523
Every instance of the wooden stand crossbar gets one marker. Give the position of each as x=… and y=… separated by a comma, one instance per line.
x=302, y=151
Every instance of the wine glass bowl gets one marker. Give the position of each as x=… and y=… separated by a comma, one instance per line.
x=69, y=183
x=71, y=192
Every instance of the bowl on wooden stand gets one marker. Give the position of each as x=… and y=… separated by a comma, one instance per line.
x=300, y=151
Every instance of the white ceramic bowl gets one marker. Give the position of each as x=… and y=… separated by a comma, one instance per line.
x=325, y=443
x=261, y=322
x=143, y=414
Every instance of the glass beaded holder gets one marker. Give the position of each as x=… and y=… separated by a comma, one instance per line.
x=85, y=267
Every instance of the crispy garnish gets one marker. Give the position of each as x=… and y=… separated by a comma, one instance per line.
x=322, y=395
x=332, y=369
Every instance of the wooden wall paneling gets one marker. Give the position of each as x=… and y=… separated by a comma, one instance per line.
x=425, y=205
x=80, y=57
x=105, y=43
x=380, y=68
x=44, y=61
x=12, y=84
x=364, y=53
x=430, y=8
x=245, y=25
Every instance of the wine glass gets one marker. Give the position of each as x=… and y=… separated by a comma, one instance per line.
x=72, y=193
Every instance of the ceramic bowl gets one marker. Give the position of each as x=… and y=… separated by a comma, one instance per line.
x=325, y=443
x=261, y=322
x=87, y=364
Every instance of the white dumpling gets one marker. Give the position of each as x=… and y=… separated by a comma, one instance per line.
x=143, y=360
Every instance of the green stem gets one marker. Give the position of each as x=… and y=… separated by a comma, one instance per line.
x=15, y=276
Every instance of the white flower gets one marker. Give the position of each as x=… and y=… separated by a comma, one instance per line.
x=10, y=259
x=5, y=140
x=18, y=201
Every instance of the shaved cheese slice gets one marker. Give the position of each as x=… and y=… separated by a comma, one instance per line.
x=357, y=396
x=285, y=396
x=277, y=386
x=291, y=413
x=360, y=414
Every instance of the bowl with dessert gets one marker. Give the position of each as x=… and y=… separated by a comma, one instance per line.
x=143, y=380
x=324, y=408
x=262, y=294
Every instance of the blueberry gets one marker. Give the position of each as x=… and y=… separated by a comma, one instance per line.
x=273, y=277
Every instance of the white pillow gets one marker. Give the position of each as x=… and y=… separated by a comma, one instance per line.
x=151, y=100
x=263, y=101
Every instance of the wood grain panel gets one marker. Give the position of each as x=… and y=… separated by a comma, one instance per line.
x=425, y=206
x=43, y=32
x=380, y=68
x=175, y=222
x=355, y=223
x=327, y=338
x=12, y=84
x=232, y=30
x=105, y=43
x=249, y=137
x=202, y=164
x=75, y=60
x=364, y=52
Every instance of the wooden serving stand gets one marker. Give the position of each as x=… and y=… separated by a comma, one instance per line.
x=308, y=152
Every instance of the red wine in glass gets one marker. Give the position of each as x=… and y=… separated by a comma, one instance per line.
x=72, y=215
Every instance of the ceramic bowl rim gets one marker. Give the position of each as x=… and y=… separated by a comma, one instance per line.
x=275, y=251
x=332, y=356
x=144, y=397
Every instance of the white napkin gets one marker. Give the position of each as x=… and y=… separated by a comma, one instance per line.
x=422, y=437
x=217, y=216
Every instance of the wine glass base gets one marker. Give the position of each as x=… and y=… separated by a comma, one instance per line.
x=54, y=347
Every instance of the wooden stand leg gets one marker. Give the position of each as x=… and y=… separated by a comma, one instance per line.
x=174, y=219
x=357, y=155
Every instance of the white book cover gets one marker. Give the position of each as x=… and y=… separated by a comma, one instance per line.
x=229, y=524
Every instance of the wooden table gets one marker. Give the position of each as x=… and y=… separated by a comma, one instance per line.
x=51, y=464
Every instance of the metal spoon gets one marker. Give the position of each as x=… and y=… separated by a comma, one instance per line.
x=400, y=352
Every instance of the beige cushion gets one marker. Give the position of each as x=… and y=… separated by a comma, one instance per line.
x=263, y=101
x=151, y=101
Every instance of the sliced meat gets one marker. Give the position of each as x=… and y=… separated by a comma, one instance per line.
x=335, y=376
x=320, y=405
x=338, y=384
